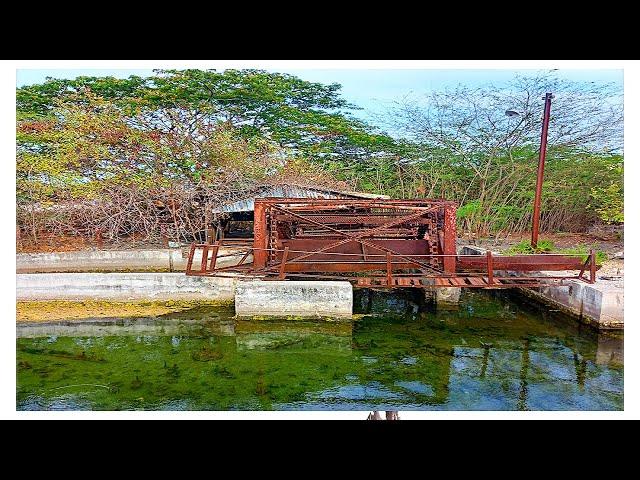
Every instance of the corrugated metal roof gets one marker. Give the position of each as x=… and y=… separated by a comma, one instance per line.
x=289, y=191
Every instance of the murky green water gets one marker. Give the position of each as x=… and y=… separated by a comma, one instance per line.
x=490, y=354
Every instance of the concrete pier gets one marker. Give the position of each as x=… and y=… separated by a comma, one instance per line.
x=445, y=298
x=253, y=298
x=600, y=304
x=317, y=299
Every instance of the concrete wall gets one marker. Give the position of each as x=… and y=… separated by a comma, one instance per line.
x=171, y=260
x=123, y=287
x=600, y=304
x=294, y=298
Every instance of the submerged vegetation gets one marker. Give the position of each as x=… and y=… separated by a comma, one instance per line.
x=45, y=311
x=491, y=354
x=145, y=157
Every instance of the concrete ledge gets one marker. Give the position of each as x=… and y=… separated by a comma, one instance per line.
x=123, y=287
x=170, y=260
x=600, y=304
x=294, y=299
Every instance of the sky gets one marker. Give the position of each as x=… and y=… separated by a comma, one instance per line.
x=373, y=90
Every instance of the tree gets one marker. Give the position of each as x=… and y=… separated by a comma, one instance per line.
x=494, y=156
x=310, y=119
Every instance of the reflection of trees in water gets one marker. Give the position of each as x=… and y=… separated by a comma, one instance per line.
x=524, y=370
x=397, y=360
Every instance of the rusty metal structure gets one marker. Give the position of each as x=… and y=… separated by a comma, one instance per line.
x=376, y=243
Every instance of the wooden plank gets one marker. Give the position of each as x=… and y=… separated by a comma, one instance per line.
x=476, y=281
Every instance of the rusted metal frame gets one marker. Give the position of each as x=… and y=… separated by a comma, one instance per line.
x=490, y=267
x=586, y=264
x=372, y=245
x=357, y=237
x=192, y=251
x=205, y=255
x=259, y=234
x=214, y=254
x=382, y=281
x=449, y=240
x=592, y=266
x=283, y=263
x=319, y=204
x=389, y=274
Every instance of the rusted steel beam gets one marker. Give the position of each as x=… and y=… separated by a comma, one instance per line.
x=260, y=234
x=522, y=263
x=317, y=267
x=283, y=263
x=214, y=255
x=205, y=258
x=192, y=251
x=449, y=243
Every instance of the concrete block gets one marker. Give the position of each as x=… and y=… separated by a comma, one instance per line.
x=123, y=287
x=447, y=298
x=294, y=299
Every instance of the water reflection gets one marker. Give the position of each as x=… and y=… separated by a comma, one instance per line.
x=490, y=354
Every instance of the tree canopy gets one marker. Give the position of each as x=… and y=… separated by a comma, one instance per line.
x=149, y=154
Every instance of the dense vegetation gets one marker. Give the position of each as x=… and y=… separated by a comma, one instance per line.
x=147, y=156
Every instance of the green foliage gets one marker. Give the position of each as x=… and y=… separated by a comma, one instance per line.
x=608, y=202
x=469, y=209
x=524, y=247
x=583, y=250
x=224, y=131
x=305, y=116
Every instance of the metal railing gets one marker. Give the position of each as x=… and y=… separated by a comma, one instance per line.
x=471, y=270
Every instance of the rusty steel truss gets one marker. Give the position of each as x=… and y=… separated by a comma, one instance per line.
x=377, y=244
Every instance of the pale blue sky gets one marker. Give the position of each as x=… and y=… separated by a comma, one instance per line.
x=370, y=89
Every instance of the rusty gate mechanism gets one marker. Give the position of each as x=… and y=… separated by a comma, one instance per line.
x=375, y=244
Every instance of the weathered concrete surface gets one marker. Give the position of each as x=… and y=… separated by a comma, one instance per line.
x=123, y=287
x=600, y=304
x=170, y=260
x=314, y=299
x=93, y=327
x=447, y=298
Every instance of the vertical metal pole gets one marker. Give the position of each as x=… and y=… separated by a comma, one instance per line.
x=214, y=255
x=389, y=274
x=490, y=267
x=205, y=258
x=543, y=153
x=449, y=243
x=259, y=234
x=192, y=251
x=285, y=255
